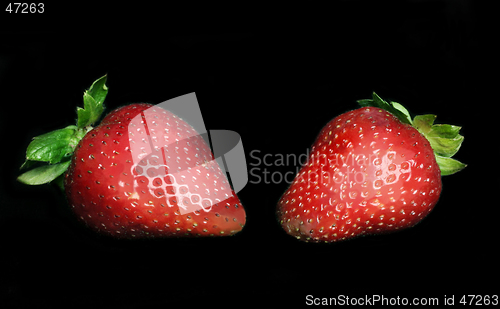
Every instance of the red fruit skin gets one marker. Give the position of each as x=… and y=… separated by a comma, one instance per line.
x=367, y=173
x=116, y=197
x=125, y=113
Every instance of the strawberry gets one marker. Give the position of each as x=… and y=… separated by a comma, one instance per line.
x=371, y=170
x=142, y=172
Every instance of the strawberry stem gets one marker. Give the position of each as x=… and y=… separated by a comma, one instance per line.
x=49, y=154
x=443, y=138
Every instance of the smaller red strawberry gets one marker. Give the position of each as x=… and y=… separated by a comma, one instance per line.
x=142, y=173
x=372, y=170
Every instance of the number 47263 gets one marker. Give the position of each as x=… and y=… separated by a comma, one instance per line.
x=479, y=300
x=25, y=8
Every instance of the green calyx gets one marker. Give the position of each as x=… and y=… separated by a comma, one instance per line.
x=444, y=138
x=48, y=155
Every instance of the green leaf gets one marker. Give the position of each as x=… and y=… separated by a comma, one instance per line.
x=87, y=113
x=423, y=123
x=51, y=147
x=446, y=147
x=449, y=166
x=444, y=130
x=92, y=103
x=402, y=111
x=43, y=174
x=444, y=138
x=394, y=108
x=99, y=90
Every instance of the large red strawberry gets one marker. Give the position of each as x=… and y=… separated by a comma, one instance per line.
x=143, y=172
x=370, y=171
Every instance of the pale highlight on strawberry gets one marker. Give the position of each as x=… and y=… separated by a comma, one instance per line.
x=165, y=154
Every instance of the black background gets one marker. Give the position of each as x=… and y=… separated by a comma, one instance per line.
x=277, y=86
